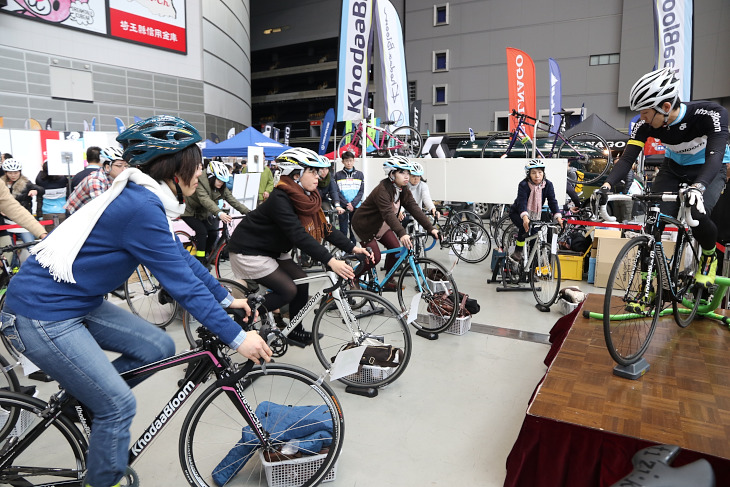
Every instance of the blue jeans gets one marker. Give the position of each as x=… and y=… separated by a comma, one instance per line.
x=72, y=352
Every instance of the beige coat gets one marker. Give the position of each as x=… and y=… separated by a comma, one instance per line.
x=10, y=207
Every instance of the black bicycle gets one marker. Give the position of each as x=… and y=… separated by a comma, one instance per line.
x=252, y=424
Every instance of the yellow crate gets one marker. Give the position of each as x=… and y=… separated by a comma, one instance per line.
x=571, y=266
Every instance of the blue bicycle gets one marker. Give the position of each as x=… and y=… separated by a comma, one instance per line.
x=417, y=275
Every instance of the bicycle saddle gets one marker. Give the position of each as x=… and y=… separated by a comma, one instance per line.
x=566, y=113
x=652, y=469
x=387, y=122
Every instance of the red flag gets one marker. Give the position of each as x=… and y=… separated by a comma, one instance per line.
x=521, y=82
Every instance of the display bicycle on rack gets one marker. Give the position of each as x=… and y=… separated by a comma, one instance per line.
x=145, y=295
x=644, y=279
x=403, y=141
x=376, y=322
x=540, y=265
x=587, y=152
x=237, y=429
x=463, y=232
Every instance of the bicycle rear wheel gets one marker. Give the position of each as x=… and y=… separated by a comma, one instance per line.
x=222, y=262
x=588, y=153
x=39, y=450
x=497, y=145
x=629, y=316
x=215, y=439
x=146, y=298
x=350, y=138
x=187, y=240
x=684, y=266
x=378, y=322
x=433, y=281
x=405, y=141
x=545, y=275
x=190, y=324
x=470, y=241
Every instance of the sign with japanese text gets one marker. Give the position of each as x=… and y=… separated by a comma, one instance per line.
x=159, y=23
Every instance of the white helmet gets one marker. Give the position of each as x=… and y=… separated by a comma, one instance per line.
x=653, y=89
x=326, y=160
x=396, y=163
x=12, y=165
x=297, y=159
x=534, y=164
x=417, y=169
x=219, y=170
x=111, y=154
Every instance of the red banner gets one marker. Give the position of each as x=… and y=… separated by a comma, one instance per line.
x=147, y=31
x=521, y=82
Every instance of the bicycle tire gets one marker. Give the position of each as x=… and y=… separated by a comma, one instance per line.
x=377, y=319
x=351, y=137
x=143, y=294
x=626, y=331
x=8, y=382
x=470, y=241
x=545, y=275
x=45, y=450
x=684, y=267
x=188, y=242
x=410, y=142
x=496, y=146
x=190, y=324
x=213, y=426
x=595, y=159
x=442, y=282
x=222, y=262
x=503, y=225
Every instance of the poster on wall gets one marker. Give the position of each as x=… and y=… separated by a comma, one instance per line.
x=159, y=23
x=88, y=15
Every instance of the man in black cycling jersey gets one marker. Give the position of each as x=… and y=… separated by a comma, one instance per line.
x=695, y=136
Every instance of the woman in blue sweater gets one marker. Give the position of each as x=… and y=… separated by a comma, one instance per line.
x=55, y=312
x=532, y=192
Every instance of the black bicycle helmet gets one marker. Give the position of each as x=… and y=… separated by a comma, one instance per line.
x=149, y=139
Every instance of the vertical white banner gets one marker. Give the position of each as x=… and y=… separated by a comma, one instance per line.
x=393, y=62
x=673, y=40
x=352, y=82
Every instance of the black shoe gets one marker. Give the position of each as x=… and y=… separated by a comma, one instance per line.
x=164, y=298
x=300, y=337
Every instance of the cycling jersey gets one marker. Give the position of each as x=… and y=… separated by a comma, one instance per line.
x=699, y=135
x=351, y=185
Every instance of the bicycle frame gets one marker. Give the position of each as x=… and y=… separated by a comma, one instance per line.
x=386, y=137
x=403, y=255
x=520, y=133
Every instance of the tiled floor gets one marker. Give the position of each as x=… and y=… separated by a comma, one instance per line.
x=450, y=420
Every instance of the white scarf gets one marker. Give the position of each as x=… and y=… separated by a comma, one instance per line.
x=59, y=249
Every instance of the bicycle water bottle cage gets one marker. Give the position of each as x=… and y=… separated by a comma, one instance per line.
x=652, y=468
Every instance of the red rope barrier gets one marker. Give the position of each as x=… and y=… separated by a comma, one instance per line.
x=8, y=227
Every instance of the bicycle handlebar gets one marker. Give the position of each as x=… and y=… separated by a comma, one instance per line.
x=648, y=198
x=10, y=248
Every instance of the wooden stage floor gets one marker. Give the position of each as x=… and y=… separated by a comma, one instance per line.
x=684, y=398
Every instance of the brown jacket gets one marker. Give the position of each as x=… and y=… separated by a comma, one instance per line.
x=378, y=208
x=15, y=211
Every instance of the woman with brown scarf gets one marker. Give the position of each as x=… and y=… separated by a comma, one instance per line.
x=291, y=216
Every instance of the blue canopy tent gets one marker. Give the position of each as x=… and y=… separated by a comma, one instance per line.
x=237, y=146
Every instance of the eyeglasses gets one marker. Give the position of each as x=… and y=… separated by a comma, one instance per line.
x=122, y=165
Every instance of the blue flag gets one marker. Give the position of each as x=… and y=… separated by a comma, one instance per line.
x=556, y=94
x=471, y=134
x=327, y=124
x=120, y=124
x=93, y=124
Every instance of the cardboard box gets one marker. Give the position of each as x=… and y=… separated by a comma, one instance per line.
x=603, y=267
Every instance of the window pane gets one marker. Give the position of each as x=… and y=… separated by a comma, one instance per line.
x=614, y=58
x=593, y=60
x=441, y=60
x=603, y=59
x=441, y=15
x=411, y=91
x=440, y=125
x=440, y=94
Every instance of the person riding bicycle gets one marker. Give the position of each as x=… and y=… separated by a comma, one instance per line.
x=377, y=218
x=22, y=190
x=291, y=216
x=695, y=136
x=202, y=208
x=67, y=332
x=532, y=192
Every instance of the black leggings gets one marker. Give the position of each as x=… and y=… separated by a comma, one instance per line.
x=205, y=232
x=390, y=241
x=283, y=289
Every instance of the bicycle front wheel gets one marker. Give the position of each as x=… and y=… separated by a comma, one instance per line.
x=684, y=267
x=378, y=323
x=39, y=450
x=433, y=281
x=190, y=324
x=405, y=141
x=631, y=306
x=588, y=153
x=146, y=298
x=545, y=275
x=350, y=138
x=470, y=241
x=222, y=262
x=216, y=442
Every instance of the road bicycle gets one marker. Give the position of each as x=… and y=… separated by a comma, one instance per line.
x=248, y=420
x=403, y=141
x=644, y=279
x=464, y=233
x=336, y=326
x=420, y=276
x=539, y=264
x=587, y=152
x=218, y=258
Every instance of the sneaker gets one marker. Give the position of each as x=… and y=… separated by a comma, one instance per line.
x=390, y=286
x=705, y=275
x=642, y=307
x=516, y=255
x=300, y=337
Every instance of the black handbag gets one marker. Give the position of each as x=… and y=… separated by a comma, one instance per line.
x=379, y=355
x=470, y=305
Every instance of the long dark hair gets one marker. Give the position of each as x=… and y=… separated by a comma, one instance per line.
x=183, y=163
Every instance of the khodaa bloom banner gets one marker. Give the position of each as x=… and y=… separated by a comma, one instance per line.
x=673, y=41
x=354, y=59
x=393, y=62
